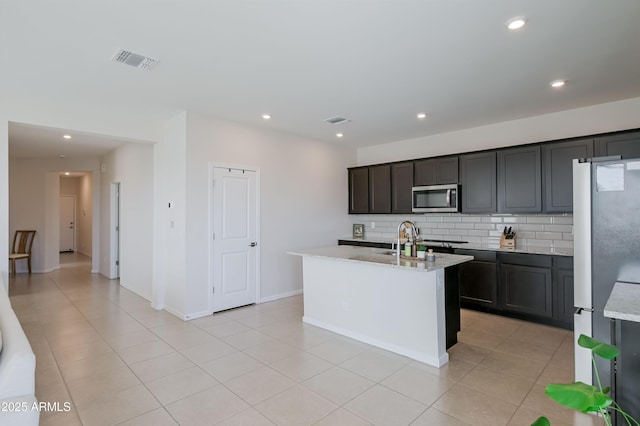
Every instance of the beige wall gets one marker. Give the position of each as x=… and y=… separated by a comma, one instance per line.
x=303, y=203
x=34, y=190
x=130, y=165
x=602, y=118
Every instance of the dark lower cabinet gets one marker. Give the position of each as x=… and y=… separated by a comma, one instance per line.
x=478, y=280
x=526, y=290
x=627, y=375
x=526, y=285
x=563, y=291
x=532, y=287
x=451, y=305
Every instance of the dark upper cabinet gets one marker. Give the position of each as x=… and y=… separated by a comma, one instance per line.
x=436, y=171
x=526, y=285
x=359, y=190
x=526, y=179
x=380, y=189
x=478, y=182
x=557, y=172
x=519, y=180
x=401, y=184
x=478, y=279
x=626, y=144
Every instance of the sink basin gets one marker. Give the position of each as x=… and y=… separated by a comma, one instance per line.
x=402, y=256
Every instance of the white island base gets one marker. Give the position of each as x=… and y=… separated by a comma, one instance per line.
x=394, y=307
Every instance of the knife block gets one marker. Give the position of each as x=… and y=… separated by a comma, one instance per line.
x=507, y=243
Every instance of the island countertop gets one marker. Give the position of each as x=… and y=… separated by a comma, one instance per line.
x=382, y=257
x=624, y=302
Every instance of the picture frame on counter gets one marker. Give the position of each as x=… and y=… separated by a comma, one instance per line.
x=358, y=230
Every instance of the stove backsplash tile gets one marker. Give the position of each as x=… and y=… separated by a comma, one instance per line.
x=552, y=231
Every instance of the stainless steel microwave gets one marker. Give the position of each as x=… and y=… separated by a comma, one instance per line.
x=436, y=198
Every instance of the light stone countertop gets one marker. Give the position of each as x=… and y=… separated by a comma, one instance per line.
x=624, y=302
x=382, y=257
x=558, y=251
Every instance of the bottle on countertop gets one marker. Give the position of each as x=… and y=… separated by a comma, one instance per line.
x=431, y=256
x=407, y=248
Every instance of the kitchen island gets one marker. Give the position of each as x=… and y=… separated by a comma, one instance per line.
x=369, y=295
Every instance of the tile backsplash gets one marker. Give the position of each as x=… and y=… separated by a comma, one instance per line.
x=550, y=231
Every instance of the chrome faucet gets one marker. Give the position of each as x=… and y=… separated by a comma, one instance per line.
x=414, y=234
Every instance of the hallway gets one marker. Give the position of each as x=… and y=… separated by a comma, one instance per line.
x=117, y=361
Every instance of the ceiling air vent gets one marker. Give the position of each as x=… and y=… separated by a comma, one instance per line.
x=337, y=120
x=134, y=59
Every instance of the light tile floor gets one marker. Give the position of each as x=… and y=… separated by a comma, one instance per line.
x=102, y=348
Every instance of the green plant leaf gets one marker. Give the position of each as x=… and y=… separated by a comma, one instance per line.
x=579, y=396
x=599, y=348
x=541, y=421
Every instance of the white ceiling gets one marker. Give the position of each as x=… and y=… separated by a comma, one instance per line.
x=45, y=142
x=377, y=63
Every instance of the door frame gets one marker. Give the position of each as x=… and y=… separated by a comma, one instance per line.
x=114, y=234
x=73, y=210
x=210, y=238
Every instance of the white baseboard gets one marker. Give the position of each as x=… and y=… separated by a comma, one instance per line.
x=280, y=296
x=133, y=290
x=157, y=307
x=196, y=315
x=175, y=312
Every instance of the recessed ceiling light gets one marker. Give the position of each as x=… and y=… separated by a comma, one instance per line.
x=61, y=156
x=516, y=23
x=421, y=115
x=67, y=136
x=266, y=116
x=339, y=135
x=558, y=83
x=67, y=173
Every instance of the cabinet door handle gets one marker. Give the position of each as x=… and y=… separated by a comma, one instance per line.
x=448, y=198
x=253, y=244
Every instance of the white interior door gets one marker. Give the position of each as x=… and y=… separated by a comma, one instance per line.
x=67, y=223
x=114, y=266
x=235, y=252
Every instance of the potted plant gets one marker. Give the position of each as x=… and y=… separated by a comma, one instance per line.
x=421, y=251
x=587, y=398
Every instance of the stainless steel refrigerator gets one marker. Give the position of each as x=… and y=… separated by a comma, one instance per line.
x=606, y=216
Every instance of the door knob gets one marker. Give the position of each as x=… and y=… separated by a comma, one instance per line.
x=253, y=244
